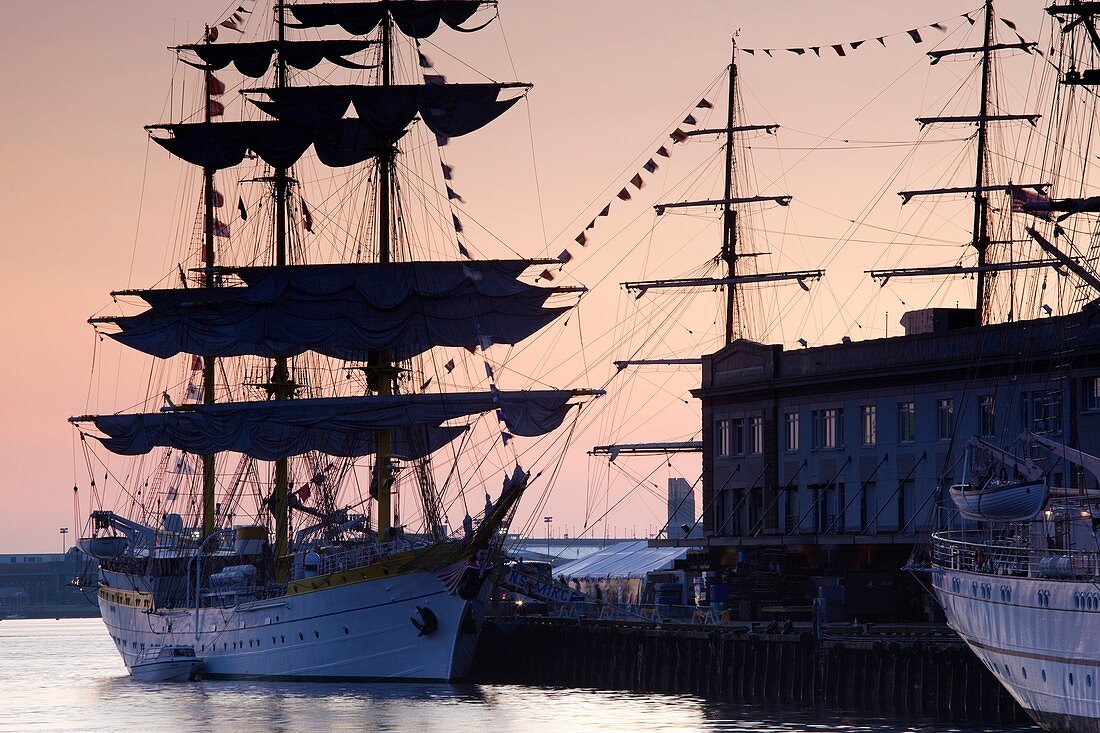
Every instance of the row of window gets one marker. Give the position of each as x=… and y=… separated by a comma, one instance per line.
x=1041, y=412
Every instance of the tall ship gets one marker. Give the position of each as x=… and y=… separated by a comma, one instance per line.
x=1017, y=568
x=280, y=504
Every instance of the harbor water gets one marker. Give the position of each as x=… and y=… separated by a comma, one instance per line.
x=65, y=675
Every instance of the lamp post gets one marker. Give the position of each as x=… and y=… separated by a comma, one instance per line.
x=63, y=531
x=548, y=520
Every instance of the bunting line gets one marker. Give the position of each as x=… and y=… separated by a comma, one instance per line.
x=842, y=50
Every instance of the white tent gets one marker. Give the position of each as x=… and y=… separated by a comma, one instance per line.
x=622, y=560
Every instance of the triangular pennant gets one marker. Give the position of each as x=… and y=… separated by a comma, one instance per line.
x=425, y=62
x=472, y=349
x=662, y=151
x=463, y=251
x=448, y=171
x=434, y=80
x=580, y=239
x=565, y=256
x=546, y=275
x=605, y=210
x=624, y=195
x=452, y=195
x=969, y=19
x=704, y=104
x=505, y=436
x=768, y=51
x=651, y=165
x=449, y=366
x=797, y=51
x=500, y=416
x=426, y=383
x=816, y=50
x=690, y=120
x=915, y=35
x=749, y=51
x=1009, y=23
x=839, y=50
x=441, y=140
x=591, y=225
x=457, y=223
x=678, y=135
x=881, y=40
x=488, y=370
x=215, y=87
x=637, y=181
x=856, y=44
x=242, y=208
x=215, y=108
x=939, y=26
x=217, y=199
x=485, y=342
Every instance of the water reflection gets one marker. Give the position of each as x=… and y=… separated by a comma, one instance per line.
x=66, y=676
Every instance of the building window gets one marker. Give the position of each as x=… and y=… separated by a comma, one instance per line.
x=1092, y=393
x=827, y=427
x=1042, y=411
x=988, y=413
x=869, y=425
x=792, y=431
x=907, y=422
x=739, y=436
x=945, y=412
x=756, y=435
x=723, y=437
x=866, y=499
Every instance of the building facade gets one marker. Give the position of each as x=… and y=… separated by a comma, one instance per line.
x=841, y=453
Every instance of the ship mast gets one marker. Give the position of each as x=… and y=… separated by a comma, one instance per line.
x=209, y=518
x=980, y=241
x=383, y=471
x=981, y=210
x=729, y=214
x=281, y=386
x=728, y=202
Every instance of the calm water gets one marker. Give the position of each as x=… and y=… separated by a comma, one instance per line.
x=66, y=676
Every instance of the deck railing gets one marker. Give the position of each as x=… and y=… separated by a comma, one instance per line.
x=977, y=552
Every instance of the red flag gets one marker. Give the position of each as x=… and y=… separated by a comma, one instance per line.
x=1022, y=196
x=212, y=34
x=218, y=199
x=196, y=363
x=215, y=108
x=220, y=229
x=215, y=87
x=307, y=218
x=304, y=492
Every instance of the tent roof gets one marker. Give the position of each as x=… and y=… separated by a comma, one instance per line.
x=623, y=560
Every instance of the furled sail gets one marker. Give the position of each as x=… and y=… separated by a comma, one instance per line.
x=447, y=109
x=341, y=426
x=280, y=144
x=254, y=59
x=415, y=18
x=343, y=310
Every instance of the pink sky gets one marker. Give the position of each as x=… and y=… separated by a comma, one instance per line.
x=611, y=78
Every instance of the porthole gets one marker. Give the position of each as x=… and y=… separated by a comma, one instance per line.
x=1088, y=680
x=316, y=634
x=282, y=639
x=1043, y=673
x=301, y=637
x=1071, y=678
x=346, y=630
x=1023, y=671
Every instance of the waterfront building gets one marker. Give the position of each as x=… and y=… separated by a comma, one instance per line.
x=837, y=454
x=43, y=582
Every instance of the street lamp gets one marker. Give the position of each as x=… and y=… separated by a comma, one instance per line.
x=63, y=531
x=548, y=520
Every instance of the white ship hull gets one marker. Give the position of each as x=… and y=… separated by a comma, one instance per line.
x=358, y=631
x=1040, y=637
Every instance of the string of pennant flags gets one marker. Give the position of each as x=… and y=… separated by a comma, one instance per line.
x=916, y=35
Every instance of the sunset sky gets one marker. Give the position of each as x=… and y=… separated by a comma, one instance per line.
x=89, y=202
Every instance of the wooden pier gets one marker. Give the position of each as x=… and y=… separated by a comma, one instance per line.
x=901, y=672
